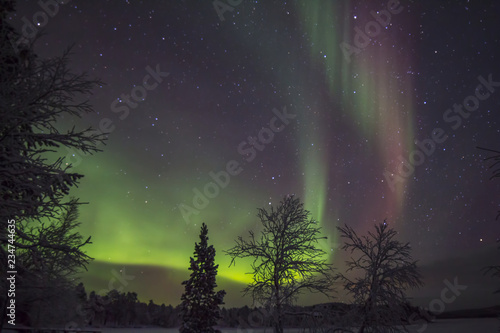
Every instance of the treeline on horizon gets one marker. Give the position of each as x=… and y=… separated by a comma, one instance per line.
x=75, y=308
x=46, y=301
x=40, y=242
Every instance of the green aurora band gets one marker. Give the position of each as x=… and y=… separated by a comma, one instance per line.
x=133, y=217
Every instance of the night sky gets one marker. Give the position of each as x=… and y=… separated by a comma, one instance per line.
x=362, y=121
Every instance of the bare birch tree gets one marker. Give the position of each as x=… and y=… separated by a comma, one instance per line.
x=384, y=269
x=287, y=259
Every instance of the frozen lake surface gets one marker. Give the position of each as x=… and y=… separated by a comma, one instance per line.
x=440, y=326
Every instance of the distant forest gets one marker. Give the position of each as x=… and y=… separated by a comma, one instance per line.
x=43, y=252
x=115, y=309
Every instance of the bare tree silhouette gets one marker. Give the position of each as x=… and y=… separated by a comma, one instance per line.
x=287, y=260
x=386, y=270
x=494, y=161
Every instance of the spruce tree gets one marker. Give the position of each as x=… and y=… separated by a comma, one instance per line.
x=39, y=99
x=200, y=302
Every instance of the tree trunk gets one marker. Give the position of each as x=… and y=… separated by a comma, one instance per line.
x=278, y=322
x=278, y=325
x=366, y=315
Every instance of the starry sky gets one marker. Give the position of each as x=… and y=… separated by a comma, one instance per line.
x=365, y=110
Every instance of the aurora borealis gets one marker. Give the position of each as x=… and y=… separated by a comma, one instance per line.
x=356, y=115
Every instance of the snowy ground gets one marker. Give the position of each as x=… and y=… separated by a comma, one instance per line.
x=485, y=325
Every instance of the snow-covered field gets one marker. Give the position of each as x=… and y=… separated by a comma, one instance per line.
x=485, y=325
